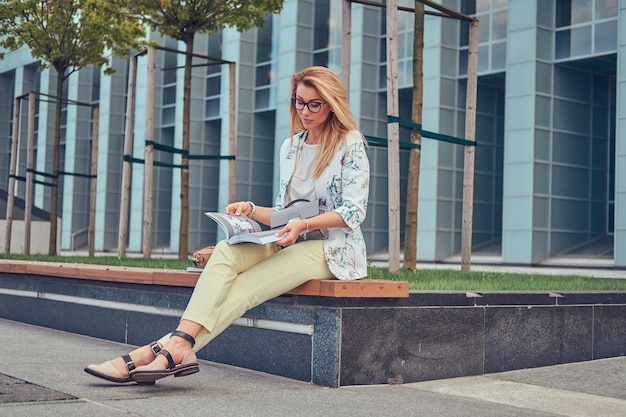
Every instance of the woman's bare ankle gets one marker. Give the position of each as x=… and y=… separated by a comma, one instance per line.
x=141, y=356
x=177, y=347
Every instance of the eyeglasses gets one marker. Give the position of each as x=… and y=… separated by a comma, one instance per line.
x=313, y=106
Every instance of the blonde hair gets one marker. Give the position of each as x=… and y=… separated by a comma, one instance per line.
x=340, y=120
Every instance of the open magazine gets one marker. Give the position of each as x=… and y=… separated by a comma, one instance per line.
x=240, y=229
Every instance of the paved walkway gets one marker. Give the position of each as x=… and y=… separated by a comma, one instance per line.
x=41, y=374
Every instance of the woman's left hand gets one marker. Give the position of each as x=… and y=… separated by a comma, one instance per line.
x=291, y=232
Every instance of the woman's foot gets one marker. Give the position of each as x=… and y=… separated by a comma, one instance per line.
x=118, y=370
x=175, y=358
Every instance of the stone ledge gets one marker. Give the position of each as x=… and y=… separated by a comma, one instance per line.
x=340, y=341
x=176, y=278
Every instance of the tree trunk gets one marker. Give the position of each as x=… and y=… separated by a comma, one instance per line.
x=183, y=241
x=410, y=227
x=52, y=248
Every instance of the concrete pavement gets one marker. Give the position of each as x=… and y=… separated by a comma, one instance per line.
x=41, y=374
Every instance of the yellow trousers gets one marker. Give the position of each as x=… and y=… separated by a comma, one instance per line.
x=242, y=276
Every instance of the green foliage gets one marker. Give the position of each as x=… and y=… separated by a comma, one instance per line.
x=182, y=19
x=69, y=34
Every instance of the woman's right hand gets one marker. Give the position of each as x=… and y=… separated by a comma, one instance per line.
x=240, y=207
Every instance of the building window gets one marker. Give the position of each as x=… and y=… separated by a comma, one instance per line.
x=321, y=33
x=265, y=84
x=406, y=26
x=493, y=18
x=584, y=28
x=213, y=78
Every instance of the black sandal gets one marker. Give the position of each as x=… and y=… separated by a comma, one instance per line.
x=154, y=371
x=108, y=372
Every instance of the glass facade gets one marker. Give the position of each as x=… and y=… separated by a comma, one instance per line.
x=584, y=28
x=493, y=17
x=547, y=163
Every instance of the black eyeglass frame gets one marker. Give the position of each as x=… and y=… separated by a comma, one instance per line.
x=298, y=102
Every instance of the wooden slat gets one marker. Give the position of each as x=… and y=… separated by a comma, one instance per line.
x=365, y=288
x=326, y=288
x=313, y=287
x=175, y=278
x=13, y=267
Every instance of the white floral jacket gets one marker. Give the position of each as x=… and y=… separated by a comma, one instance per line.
x=344, y=188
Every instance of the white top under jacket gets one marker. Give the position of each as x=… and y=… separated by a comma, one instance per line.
x=344, y=188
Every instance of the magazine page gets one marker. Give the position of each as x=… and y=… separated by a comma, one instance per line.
x=233, y=225
x=262, y=238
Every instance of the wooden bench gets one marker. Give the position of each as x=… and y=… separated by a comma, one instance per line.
x=365, y=288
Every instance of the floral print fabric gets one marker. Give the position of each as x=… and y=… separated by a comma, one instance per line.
x=344, y=188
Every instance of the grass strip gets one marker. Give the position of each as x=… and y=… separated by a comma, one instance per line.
x=420, y=279
x=450, y=280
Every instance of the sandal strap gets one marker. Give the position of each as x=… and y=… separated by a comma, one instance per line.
x=130, y=365
x=155, y=348
x=169, y=358
x=185, y=336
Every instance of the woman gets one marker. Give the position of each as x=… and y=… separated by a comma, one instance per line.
x=324, y=159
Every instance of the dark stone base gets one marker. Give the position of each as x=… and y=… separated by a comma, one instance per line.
x=337, y=341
